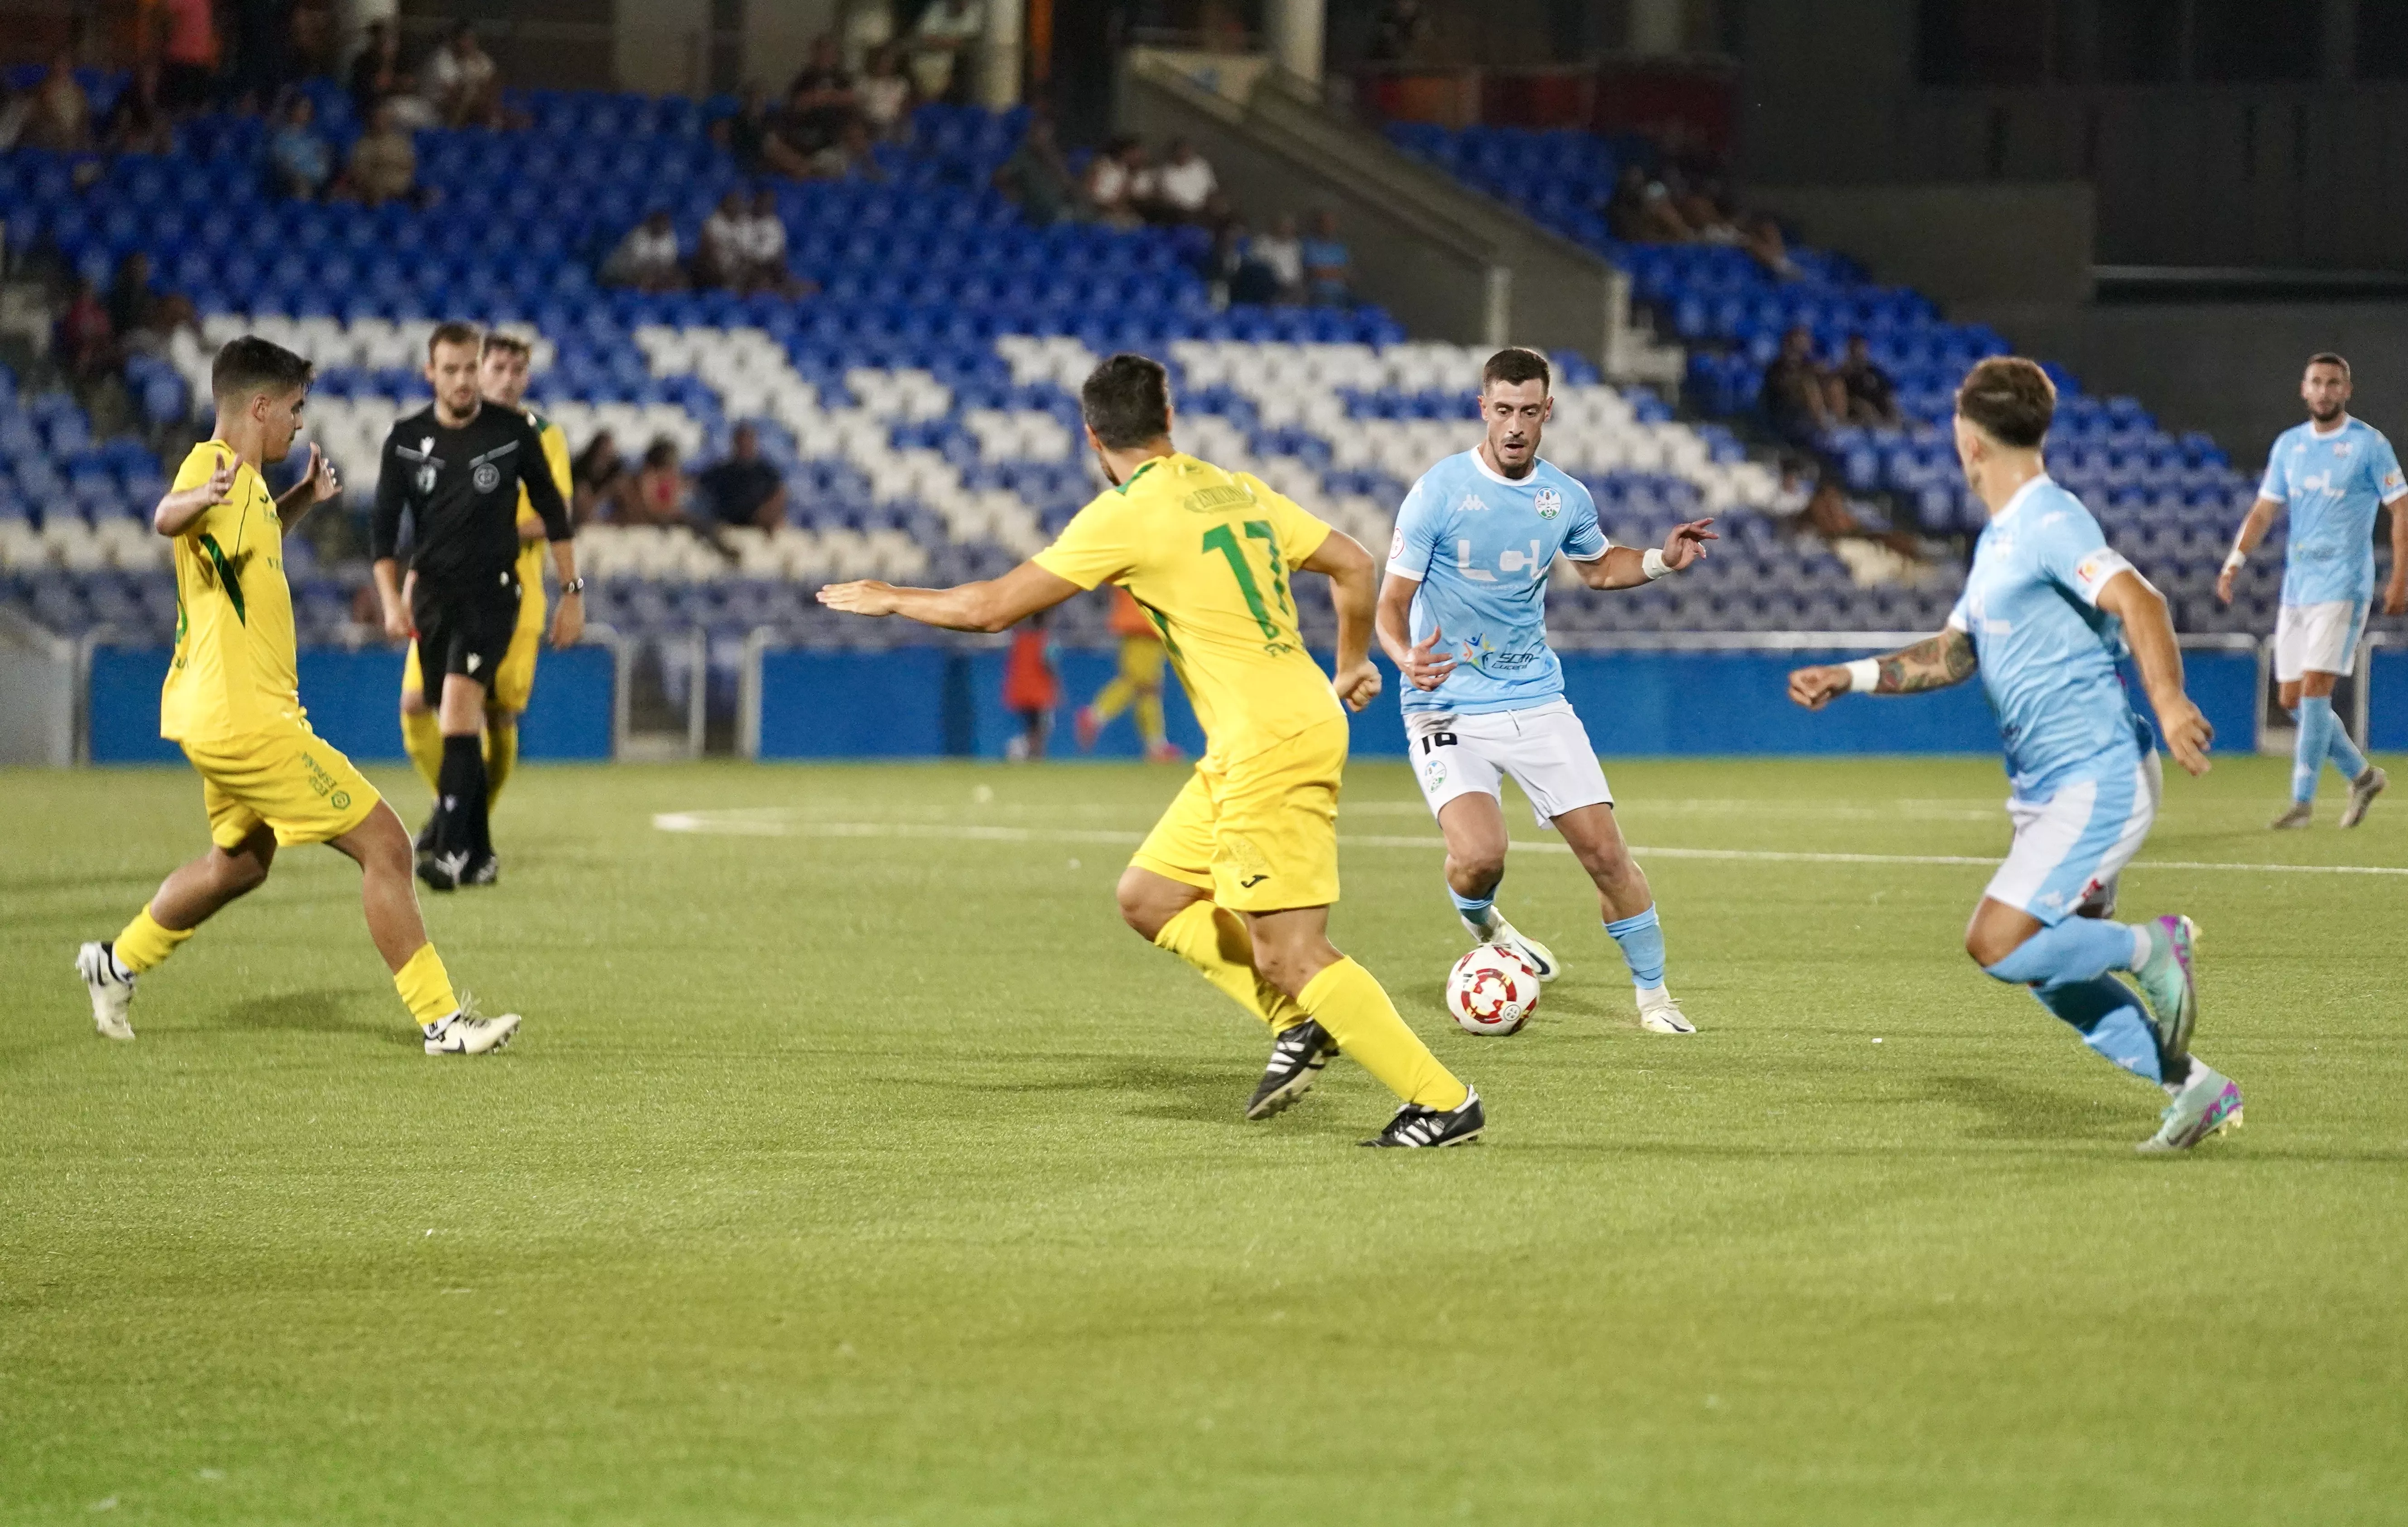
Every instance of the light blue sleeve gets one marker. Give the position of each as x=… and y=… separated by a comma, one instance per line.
x=2276, y=483
x=1585, y=542
x=2073, y=552
x=1417, y=531
x=2382, y=465
x=1959, y=617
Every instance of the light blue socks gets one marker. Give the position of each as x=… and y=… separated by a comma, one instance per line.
x=1643, y=947
x=2066, y=967
x=2322, y=737
x=1477, y=910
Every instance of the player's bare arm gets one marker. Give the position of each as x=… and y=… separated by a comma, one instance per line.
x=177, y=512
x=1423, y=665
x=318, y=484
x=2395, y=591
x=2253, y=527
x=993, y=604
x=387, y=572
x=568, y=617
x=1355, y=582
x=1627, y=566
x=1934, y=663
x=2150, y=631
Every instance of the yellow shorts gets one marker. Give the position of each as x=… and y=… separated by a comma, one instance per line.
x=1261, y=834
x=288, y=777
x=1141, y=659
x=513, y=684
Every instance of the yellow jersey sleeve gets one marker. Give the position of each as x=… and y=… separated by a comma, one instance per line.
x=1097, y=545
x=555, y=456
x=1300, y=531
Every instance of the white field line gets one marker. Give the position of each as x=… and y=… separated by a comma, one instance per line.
x=778, y=822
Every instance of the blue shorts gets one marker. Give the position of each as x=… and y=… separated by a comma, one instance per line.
x=2070, y=848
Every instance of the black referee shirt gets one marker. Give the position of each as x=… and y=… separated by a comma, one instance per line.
x=461, y=487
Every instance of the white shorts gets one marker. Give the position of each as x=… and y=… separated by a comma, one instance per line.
x=1544, y=748
x=2317, y=638
x=2070, y=849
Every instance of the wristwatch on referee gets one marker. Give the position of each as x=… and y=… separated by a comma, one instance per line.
x=575, y=586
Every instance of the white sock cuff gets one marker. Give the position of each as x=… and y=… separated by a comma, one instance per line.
x=2142, y=945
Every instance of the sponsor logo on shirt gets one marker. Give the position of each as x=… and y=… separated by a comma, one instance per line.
x=1396, y=545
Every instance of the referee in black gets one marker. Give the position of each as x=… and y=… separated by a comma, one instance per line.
x=456, y=467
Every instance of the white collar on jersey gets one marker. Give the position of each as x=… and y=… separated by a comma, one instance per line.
x=2316, y=434
x=1480, y=460
x=2021, y=493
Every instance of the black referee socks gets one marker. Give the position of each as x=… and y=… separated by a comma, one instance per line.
x=460, y=822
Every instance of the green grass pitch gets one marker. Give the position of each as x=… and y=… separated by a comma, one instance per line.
x=855, y=1165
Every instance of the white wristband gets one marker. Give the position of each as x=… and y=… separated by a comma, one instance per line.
x=1863, y=675
x=1653, y=564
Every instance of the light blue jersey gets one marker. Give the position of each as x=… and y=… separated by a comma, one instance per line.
x=2331, y=483
x=1480, y=544
x=2047, y=651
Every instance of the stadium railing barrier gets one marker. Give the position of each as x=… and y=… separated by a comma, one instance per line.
x=1703, y=695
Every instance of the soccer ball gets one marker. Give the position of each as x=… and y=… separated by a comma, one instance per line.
x=1492, y=990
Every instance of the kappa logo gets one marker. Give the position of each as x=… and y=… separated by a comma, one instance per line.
x=1550, y=503
x=2341, y=448
x=1471, y=505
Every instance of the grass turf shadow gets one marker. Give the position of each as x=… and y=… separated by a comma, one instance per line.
x=2012, y=1112
x=322, y=1011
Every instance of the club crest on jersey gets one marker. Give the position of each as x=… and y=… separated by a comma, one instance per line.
x=487, y=477
x=426, y=478
x=1550, y=503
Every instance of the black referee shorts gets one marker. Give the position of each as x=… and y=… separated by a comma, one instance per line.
x=463, y=632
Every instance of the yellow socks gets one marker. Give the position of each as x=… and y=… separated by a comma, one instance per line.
x=1349, y=1002
x=145, y=944
x=501, y=753
x=1149, y=717
x=421, y=735
x=1215, y=943
x=425, y=987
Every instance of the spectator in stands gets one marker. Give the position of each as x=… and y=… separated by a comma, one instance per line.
x=1796, y=402
x=301, y=163
x=1037, y=177
x=16, y=110
x=85, y=343
x=262, y=64
x=383, y=166
x=595, y=478
x=1769, y=251
x=377, y=71
x=1231, y=274
x=657, y=494
x=1184, y=185
x=1115, y=180
x=188, y=54
x=1709, y=215
x=744, y=490
x=821, y=99
x=851, y=157
x=1641, y=211
x=745, y=134
x=460, y=81
x=647, y=258
x=1280, y=255
x=1868, y=396
x=142, y=319
x=884, y=94
x=719, y=254
x=1328, y=266
x=948, y=31
x=310, y=41
x=60, y=118
x=762, y=247
x=138, y=123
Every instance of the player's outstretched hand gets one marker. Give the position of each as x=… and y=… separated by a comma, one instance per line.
x=2223, y=587
x=221, y=484
x=866, y=597
x=1688, y=543
x=1357, y=686
x=1426, y=667
x=567, y=622
x=320, y=476
x=2186, y=733
x=1815, y=688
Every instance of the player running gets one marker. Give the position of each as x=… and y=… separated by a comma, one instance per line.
x=1237, y=877
x=459, y=467
x=502, y=380
x=2331, y=472
x=233, y=701
x=2046, y=610
x=1135, y=689
x=1463, y=616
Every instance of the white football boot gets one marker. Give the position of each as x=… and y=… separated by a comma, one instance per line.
x=469, y=1033
x=112, y=991
x=1498, y=930
x=1659, y=1014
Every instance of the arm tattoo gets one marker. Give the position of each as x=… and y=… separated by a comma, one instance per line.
x=1933, y=664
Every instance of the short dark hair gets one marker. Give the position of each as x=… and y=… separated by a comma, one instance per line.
x=2325, y=357
x=510, y=342
x=1127, y=401
x=250, y=365
x=1516, y=364
x=2009, y=398
x=455, y=332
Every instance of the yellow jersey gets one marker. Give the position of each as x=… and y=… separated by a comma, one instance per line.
x=234, y=671
x=533, y=551
x=1207, y=555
